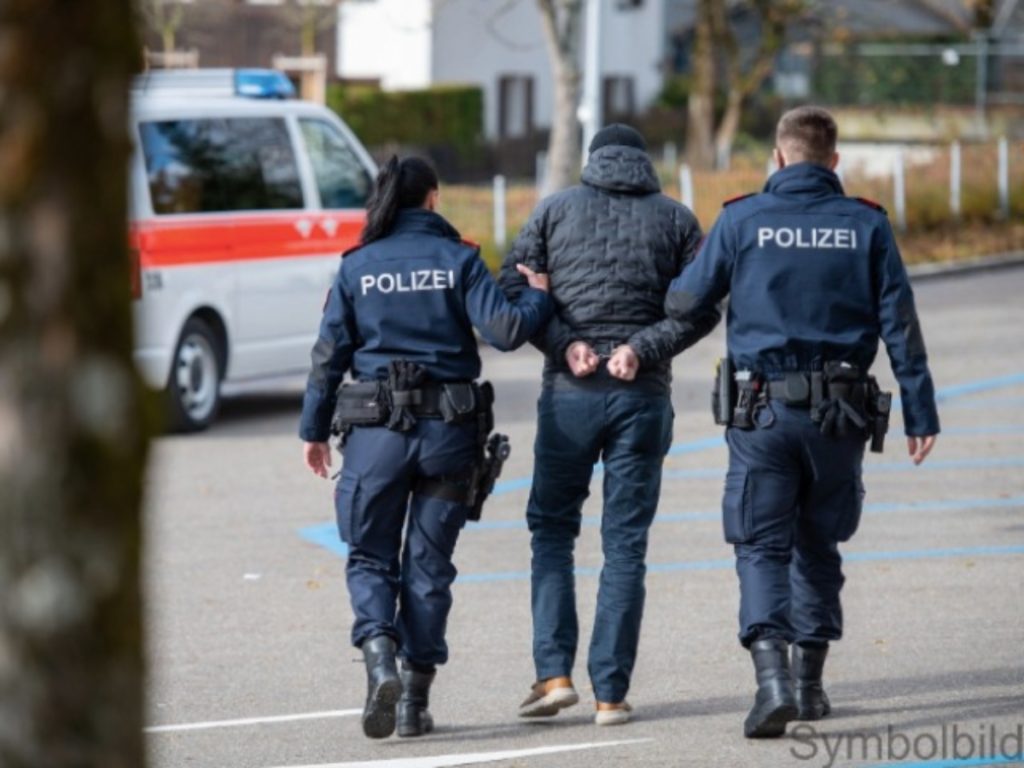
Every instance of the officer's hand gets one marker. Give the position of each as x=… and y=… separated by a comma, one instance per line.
x=539, y=280
x=582, y=360
x=624, y=363
x=318, y=457
x=920, y=447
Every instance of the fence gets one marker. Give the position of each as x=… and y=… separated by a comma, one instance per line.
x=981, y=72
x=926, y=188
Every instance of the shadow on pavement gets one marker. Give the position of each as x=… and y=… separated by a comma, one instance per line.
x=960, y=688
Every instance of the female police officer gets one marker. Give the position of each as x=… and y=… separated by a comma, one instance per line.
x=400, y=317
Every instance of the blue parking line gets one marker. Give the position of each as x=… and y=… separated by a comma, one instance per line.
x=943, y=395
x=985, y=402
x=981, y=385
x=932, y=465
x=973, y=762
x=326, y=534
x=728, y=563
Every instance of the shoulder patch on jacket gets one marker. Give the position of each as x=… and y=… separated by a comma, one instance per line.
x=737, y=198
x=352, y=250
x=871, y=204
x=470, y=243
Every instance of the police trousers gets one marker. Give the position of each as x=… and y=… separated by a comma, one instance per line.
x=402, y=589
x=631, y=432
x=791, y=496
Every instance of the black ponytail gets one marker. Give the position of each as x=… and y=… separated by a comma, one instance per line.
x=400, y=184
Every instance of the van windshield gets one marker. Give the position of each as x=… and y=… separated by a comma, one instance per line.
x=220, y=164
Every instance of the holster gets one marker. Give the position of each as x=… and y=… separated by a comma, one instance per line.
x=879, y=410
x=736, y=395
x=473, y=488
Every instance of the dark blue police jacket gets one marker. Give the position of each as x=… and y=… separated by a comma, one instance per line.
x=413, y=295
x=814, y=276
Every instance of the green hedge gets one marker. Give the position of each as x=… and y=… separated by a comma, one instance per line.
x=847, y=78
x=449, y=116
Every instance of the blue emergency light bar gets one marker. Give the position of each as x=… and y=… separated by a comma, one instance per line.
x=263, y=84
x=216, y=83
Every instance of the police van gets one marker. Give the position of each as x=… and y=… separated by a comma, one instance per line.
x=242, y=200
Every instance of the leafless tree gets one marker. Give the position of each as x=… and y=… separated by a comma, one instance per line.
x=562, y=22
x=313, y=17
x=718, y=57
x=164, y=17
x=72, y=442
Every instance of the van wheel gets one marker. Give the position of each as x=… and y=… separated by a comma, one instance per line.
x=193, y=387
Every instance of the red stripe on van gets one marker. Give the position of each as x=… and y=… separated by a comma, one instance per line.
x=218, y=239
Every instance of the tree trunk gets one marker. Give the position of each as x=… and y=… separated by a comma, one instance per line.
x=562, y=22
x=728, y=128
x=168, y=35
x=310, y=26
x=700, y=150
x=72, y=442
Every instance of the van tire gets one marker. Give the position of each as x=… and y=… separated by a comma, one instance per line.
x=193, y=384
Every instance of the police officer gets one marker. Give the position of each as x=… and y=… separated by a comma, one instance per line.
x=815, y=278
x=400, y=318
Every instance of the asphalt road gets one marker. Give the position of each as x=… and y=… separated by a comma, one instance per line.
x=248, y=615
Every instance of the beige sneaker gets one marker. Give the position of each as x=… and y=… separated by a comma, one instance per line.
x=613, y=714
x=548, y=697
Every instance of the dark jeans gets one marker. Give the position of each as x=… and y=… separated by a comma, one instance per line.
x=396, y=590
x=631, y=432
x=791, y=496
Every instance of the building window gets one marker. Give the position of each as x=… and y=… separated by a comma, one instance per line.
x=515, y=106
x=618, y=98
x=629, y=5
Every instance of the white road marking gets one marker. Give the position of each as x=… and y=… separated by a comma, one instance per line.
x=443, y=761
x=253, y=721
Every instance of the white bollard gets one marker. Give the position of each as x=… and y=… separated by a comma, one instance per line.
x=540, y=171
x=1004, y=178
x=686, y=185
x=899, y=191
x=955, y=180
x=669, y=157
x=499, y=212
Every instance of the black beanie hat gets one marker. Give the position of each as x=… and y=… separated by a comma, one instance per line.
x=619, y=135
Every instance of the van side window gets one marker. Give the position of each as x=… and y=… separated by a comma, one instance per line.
x=220, y=164
x=340, y=176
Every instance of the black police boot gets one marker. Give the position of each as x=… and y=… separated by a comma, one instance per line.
x=811, y=701
x=774, y=704
x=413, y=717
x=383, y=687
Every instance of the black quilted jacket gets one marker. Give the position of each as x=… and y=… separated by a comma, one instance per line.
x=612, y=245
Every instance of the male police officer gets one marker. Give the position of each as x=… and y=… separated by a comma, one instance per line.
x=815, y=279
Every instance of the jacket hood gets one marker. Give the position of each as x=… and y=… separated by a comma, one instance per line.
x=619, y=168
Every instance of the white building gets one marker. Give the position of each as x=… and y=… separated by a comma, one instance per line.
x=499, y=46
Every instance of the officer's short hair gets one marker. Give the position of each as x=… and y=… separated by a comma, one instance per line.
x=807, y=134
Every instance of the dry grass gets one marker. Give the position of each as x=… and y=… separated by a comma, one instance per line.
x=932, y=234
